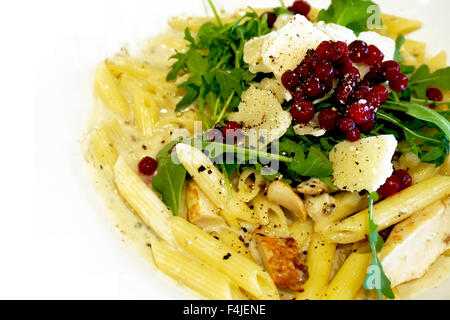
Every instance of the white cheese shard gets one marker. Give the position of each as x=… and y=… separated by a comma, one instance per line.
x=262, y=118
x=282, y=20
x=336, y=32
x=312, y=128
x=253, y=52
x=364, y=164
x=276, y=87
x=284, y=49
x=414, y=244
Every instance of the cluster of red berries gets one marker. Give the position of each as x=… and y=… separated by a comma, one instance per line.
x=298, y=7
x=356, y=100
x=399, y=181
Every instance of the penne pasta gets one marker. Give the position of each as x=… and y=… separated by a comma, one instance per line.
x=349, y=279
x=145, y=112
x=346, y=204
x=119, y=65
x=302, y=232
x=143, y=200
x=119, y=138
x=248, y=188
x=231, y=239
x=103, y=151
x=271, y=215
x=391, y=210
x=109, y=92
x=319, y=262
x=194, y=274
x=212, y=182
x=241, y=270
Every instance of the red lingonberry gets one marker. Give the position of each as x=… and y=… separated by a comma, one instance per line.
x=375, y=76
x=298, y=96
x=302, y=111
x=300, y=7
x=313, y=88
x=361, y=93
x=303, y=71
x=345, y=124
x=400, y=84
x=231, y=131
x=359, y=111
x=375, y=56
x=344, y=66
x=366, y=127
x=404, y=178
x=391, y=70
x=323, y=51
x=345, y=89
x=323, y=70
x=338, y=51
x=390, y=187
x=328, y=118
x=382, y=92
x=434, y=94
x=359, y=51
x=147, y=166
x=354, y=73
x=290, y=79
x=353, y=135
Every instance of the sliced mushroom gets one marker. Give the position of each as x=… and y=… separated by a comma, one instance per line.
x=319, y=207
x=282, y=194
x=200, y=210
x=313, y=186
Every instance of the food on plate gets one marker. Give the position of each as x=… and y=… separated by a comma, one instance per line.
x=280, y=153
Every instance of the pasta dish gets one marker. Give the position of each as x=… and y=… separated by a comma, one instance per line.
x=281, y=153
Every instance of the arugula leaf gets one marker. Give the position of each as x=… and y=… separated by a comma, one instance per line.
x=280, y=10
x=422, y=79
x=214, y=60
x=170, y=178
x=353, y=14
x=430, y=149
x=376, y=278
x=314, y=164
x=422, y=113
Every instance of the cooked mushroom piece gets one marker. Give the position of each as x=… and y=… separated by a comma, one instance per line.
x=313, y=186
x=319, y=207
x=282, y=194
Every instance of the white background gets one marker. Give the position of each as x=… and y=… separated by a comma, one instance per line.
x=56, y=238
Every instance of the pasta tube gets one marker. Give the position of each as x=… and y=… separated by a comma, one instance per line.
x=200, y=277
x=302, y=232
x=109, y=92
x=103, y=151
x=390, y=211
x=319, y=262
x=241, y=270
x=346, y=203
x=349, y=279
x=143, y=200
x=212, y=182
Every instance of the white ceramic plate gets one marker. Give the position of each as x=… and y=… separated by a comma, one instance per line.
x=60, y=241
